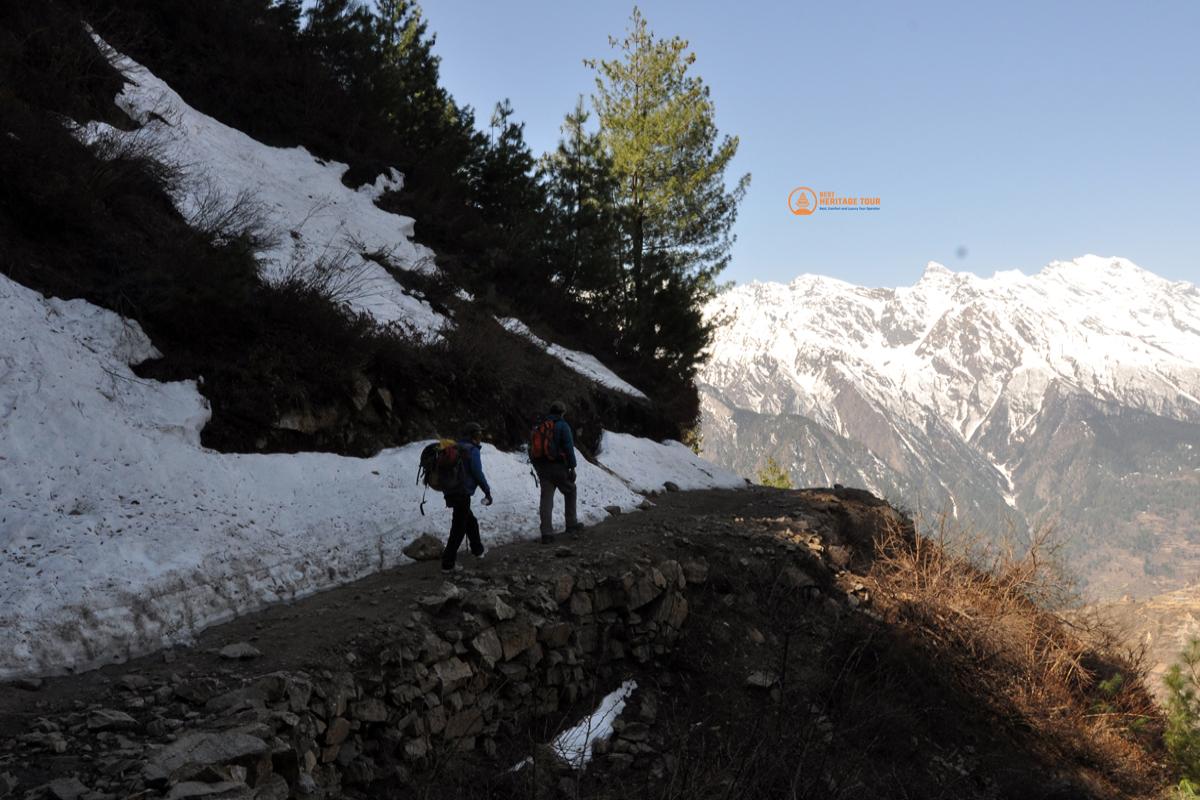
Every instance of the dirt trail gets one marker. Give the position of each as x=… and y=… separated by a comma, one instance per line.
x=310, y=632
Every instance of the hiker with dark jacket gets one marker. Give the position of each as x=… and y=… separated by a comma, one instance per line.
x=459, y=499
x=556, y=470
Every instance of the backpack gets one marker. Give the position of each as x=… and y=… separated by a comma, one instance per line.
x=542, y=446
x=441, y=466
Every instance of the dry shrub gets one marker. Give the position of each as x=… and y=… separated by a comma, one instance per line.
x=1006, y=619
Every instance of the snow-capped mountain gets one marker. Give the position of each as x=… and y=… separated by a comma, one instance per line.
x=1013, y=397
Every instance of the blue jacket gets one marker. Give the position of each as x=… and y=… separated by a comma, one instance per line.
x=472, y=469
x=564, y=441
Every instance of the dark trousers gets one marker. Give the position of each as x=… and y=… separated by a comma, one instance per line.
x=553, y=475
x=462, y=524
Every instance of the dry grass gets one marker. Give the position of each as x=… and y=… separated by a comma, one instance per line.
x=1004, y=618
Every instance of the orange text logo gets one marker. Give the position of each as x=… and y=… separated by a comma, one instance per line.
x=804, y=201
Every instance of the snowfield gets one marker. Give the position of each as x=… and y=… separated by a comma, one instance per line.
x=585, y=364
x=310, y=214
x=647, y=465
x=121, y=534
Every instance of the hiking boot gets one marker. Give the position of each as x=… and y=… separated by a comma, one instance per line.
x=573, y=527
x=452, y=569
x=548, y=538
x=481, y=553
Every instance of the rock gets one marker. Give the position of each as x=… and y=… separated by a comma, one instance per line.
x=337, y=731
x=239, y=651
x=415, y=749
x=796, y=578
x=133, y=683
x=29, y=684
x=563, y=552
x=453, y=673
x=614, y=510
x=65, y=789
x=106, y=719
x=581, y=604
x=695, y=570
x=372, y=709
x=645, y=505
x=489, y=603
x=274, y=788
x=8, y=784
x=238, y=699
x=756, y=636
x=224, y=790
x=487, y=644
x=465, y=723
x=201, y=749
x=555, y=634
x=646, y=588
x=563, y=586
x=516, y=637
x=671, y=486
x=760, y=680
x=425, y=548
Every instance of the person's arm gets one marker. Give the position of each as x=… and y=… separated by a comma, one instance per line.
x=477, y=471
x=566, y=444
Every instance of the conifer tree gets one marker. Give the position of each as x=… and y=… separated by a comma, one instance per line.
x=583, y=242
x=774, y=475
x=656, y=122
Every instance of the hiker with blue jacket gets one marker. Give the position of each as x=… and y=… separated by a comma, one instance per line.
x=458, y=499
x=552, y=452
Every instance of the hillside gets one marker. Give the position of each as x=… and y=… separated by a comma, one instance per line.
x=738, y=644
x=1070, y=397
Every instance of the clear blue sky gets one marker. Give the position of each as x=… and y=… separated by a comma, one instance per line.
x=1021, y=131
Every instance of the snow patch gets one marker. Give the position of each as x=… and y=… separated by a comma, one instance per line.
x=311, y=215
x=645, y=465
x=120, y=534
x=584, y=363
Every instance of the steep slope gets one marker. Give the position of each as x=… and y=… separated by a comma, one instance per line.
x=959, y=383
x=764, y=644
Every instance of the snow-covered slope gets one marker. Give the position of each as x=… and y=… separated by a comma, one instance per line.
x=311, y=216
x=966, y=393
x=585, y=364
x=120, y=533
x=955, y=343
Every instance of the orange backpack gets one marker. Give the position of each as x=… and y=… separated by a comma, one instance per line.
x=541, y=441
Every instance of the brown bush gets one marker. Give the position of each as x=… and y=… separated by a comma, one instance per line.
x=1005, y=619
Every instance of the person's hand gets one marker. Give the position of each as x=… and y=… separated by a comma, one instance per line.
x=571, y=474
x=487, y=499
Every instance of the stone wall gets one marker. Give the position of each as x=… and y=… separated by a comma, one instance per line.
x=475, y=662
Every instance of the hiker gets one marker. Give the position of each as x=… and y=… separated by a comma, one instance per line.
x=552, y=452
x=459, y=498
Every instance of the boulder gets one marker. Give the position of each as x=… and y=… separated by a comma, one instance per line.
x=202, y=749
x=65, y=789
x=224, y=790
x=487, y=644
x=516, y=637
x=240, y=651
x=671, y=486
x=106, y=719
x=424, y=548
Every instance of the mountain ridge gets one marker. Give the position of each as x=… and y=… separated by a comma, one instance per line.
x=948, y=381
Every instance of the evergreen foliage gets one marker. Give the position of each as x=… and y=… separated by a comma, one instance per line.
x=774, y=475
x=657, y=125
x=1182, y=735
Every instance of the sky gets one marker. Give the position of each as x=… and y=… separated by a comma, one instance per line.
x=996, y=135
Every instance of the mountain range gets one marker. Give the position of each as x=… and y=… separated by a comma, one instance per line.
x=1070, y=398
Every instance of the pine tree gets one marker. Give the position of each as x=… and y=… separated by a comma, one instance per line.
x=656, y=122
x=774, y=475
x=1182, y=735
x=583, y=236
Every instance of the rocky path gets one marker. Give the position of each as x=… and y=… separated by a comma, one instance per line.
x=102, y=724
